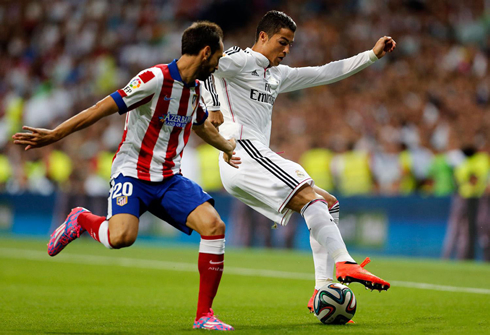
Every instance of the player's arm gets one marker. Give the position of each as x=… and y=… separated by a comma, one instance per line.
x=211, y=101
x=232, y=63
x=304, y=77
x=210, y=135
x=39, y=137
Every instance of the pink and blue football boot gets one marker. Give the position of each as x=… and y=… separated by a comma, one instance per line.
x=67, y=232
x=210, y=322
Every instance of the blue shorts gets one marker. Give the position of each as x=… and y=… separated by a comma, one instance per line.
x=172, y=200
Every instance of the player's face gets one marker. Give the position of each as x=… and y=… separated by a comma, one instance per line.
x=278, y=46
x=211, y=64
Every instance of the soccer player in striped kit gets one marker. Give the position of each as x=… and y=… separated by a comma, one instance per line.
x=162, y=104
x=247, y=83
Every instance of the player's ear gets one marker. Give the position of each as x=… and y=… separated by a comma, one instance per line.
x=206, y=52
x=263, y=37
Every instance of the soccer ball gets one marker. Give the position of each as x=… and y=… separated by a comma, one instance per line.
x=335, y=304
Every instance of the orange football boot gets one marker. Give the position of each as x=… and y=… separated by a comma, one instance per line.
x=312, y=299
x=348, y=272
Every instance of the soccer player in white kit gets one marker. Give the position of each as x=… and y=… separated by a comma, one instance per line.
x=247, y=82
x=162, y=106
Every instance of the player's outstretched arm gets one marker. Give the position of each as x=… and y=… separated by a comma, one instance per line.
x=384, y=45
x=39, y=137
x=304, y=77
x=210, y=135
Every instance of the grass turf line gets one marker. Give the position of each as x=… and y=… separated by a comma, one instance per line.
x=40, y=297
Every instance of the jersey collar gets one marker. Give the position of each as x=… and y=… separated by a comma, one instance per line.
x=175, y=74
x=262, y=61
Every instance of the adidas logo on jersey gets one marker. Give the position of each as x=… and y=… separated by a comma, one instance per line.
x=254, y=73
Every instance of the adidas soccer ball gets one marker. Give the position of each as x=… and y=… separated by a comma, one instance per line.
x=335, y=304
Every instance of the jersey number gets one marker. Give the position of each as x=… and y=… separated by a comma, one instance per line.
x=126, y=188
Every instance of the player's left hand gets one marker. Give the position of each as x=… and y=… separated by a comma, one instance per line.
x=385, y=44
x=229, y=157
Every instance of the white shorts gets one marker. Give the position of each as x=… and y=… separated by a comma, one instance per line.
x=264, y=181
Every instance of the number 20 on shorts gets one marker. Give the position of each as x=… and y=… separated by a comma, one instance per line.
x=122, y=189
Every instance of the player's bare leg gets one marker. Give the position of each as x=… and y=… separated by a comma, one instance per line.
x=123, y=230
x=119, y=231
x=323, y=229
x=207, y=222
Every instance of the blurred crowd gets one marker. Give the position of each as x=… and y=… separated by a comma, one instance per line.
x=416, y=121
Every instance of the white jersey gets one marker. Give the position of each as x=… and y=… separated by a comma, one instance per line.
x=160, y=111
x=247, y=88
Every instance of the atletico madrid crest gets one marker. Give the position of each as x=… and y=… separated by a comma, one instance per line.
x=194, y=101
x=121, y=201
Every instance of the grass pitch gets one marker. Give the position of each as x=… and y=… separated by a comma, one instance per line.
x=144, y=289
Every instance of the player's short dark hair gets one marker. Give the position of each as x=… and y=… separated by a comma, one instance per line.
x=199, y=35
x=272, y=22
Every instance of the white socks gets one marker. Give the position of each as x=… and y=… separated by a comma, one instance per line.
x=104, y=234
x=324, y=230
x=324, y=264
x=212, y=245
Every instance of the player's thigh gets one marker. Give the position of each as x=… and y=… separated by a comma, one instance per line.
x=257, y=205
x=205, y=220
x=264, y=175
x=128, y=199
x=181, y=197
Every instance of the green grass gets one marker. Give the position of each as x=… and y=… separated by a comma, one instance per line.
x=88, y=289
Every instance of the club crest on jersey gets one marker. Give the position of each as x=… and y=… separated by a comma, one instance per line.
x=135, y=83
x=300, y=173
x=121, y=201
x=175, y=120
x=194, y=101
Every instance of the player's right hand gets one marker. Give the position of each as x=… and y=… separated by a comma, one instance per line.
x=383, y=45
x=38, y=137
x=229, y=157
x=216, y=118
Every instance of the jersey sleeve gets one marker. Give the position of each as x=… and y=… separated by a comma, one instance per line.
x=201, y=114
x=232, y=62
x=304, y=77
x=209, y=95
x=139, y=91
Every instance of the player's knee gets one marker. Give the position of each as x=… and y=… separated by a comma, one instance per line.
x=214, y=226
x=330, y=199
x=122, y=238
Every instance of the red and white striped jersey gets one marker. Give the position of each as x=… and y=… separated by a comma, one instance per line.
x=160, y=111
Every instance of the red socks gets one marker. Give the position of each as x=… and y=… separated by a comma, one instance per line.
x=91, y=223
x=210, y=264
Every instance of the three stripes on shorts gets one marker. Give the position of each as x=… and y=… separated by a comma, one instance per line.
x=268, y=164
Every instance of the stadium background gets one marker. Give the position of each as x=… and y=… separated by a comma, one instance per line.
x=403, y=144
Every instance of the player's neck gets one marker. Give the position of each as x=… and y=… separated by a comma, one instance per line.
x=258, y=48
x=188, y=67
